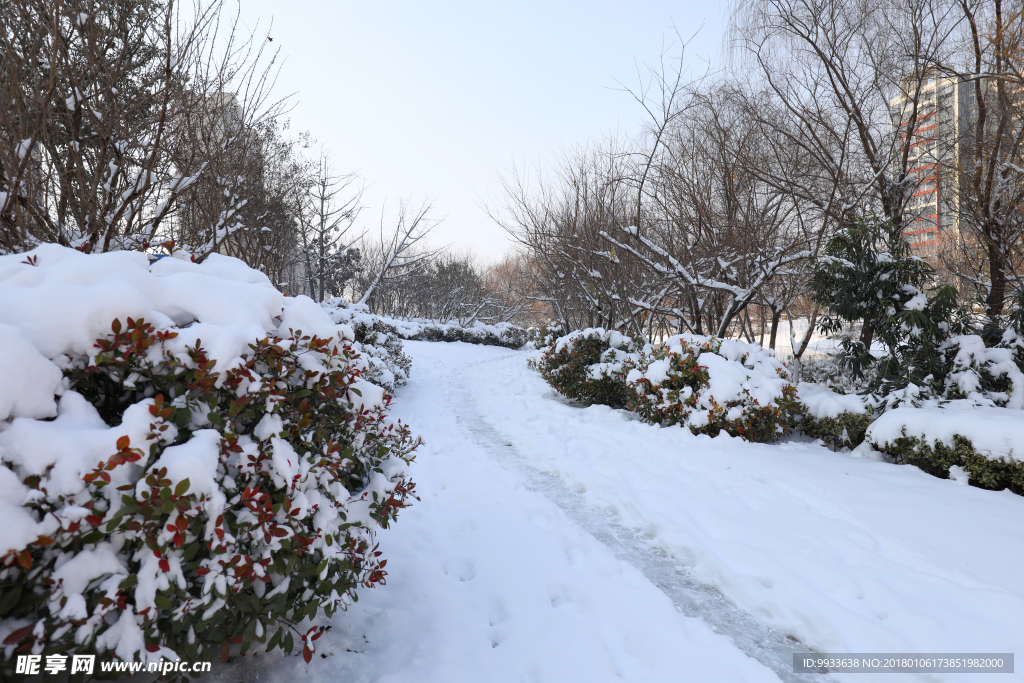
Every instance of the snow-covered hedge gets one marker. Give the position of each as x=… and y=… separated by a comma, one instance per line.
x=590, y=366
x=840, y=420
x=712, y=385
x=181, y=468
x=377, y=341
x=707, y=384
x=957, y=439
x=498, y=334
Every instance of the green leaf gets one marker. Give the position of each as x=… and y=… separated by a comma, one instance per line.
x=182, y=487
x=191, y=550
x=9, y=599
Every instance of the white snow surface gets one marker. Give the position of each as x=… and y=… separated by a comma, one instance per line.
x=490, y=580
x=821, y=401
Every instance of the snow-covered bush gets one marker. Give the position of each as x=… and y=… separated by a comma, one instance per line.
x=838, y=419
x=377, y=341
x=710, y=385
x=957, y=439
x=590, y=366
x=501, y=334
x=985, y=375
x=212, y=473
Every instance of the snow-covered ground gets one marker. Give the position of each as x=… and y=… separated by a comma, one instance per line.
x=558, y=543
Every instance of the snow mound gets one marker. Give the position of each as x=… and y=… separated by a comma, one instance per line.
x=821, y=402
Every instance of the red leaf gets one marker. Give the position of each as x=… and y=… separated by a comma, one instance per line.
x=225, y=651
x=182, y=523
x=202, y=571
x=16, y=636
x=236, y=639
x=171, y=528
x=165, y=565
x=280, y=532
x=94, y=520
x=123, y=443
x=177, y=540
x=307, y=654
x=152, y=647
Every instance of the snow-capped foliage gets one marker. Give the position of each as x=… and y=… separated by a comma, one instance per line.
x=985, y=375
x=498, y=334
x=216, y=469
x=704, y=383
x=958, y=440
x=590, y=366
x=376, y=340
x=710, y=385
x=838, y=419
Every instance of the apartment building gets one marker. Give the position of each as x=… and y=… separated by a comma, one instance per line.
x=946, y=108
x=947, y=117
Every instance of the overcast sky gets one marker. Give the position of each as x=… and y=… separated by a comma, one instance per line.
x=432, y=101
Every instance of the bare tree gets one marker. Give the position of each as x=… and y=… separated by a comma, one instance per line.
x=396, y=256
x=983, y=168
x=832, y=71
x=328, y=208
x=98, y=98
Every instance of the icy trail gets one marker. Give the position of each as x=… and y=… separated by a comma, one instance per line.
x=758, y=641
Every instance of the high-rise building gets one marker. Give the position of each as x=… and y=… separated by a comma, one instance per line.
x=946, y=108
x=947, y=115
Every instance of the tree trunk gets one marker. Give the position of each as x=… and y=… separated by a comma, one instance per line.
x=867, y=334
x=776, y=315
x=997, y=276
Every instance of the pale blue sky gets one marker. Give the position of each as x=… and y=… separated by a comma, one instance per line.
x=432, y=100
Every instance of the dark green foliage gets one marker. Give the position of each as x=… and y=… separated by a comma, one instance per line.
x=844, y=430
x=936, y=459
x=867, y=276
x=510, y=338
x=566, y=366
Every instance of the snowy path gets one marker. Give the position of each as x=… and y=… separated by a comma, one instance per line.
x=761, y=643
x=554, y=543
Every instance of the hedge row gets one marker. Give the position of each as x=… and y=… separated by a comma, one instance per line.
x=712, y=385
